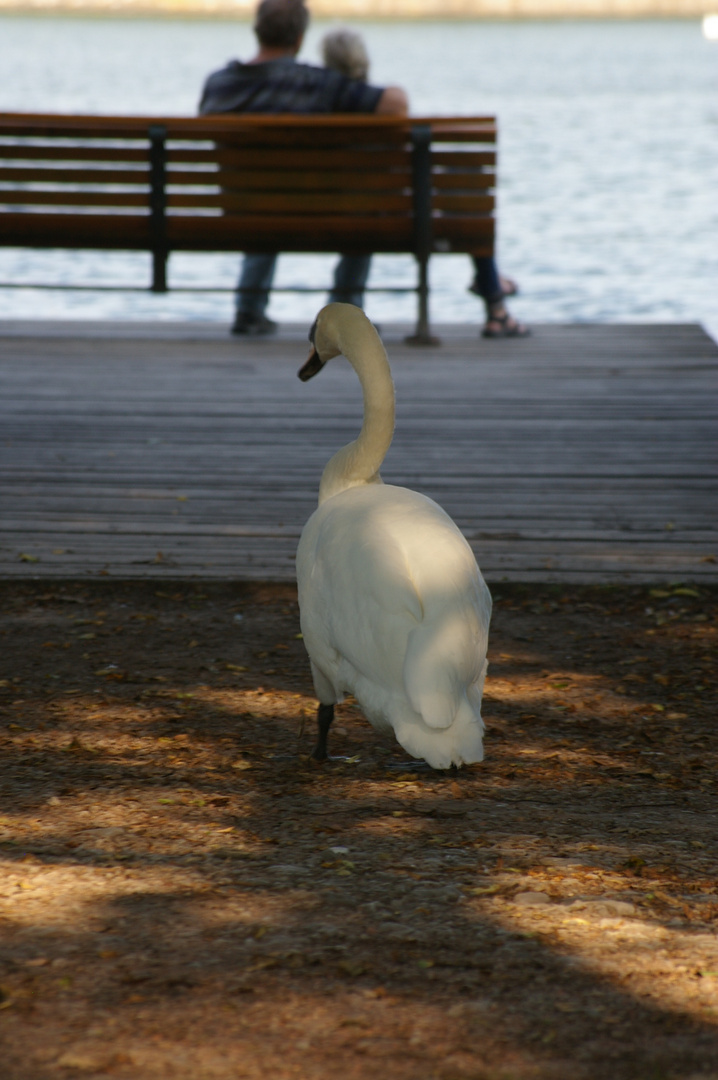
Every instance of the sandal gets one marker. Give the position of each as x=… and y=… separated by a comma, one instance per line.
x=504, y=326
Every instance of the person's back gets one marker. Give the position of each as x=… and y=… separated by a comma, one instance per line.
x=285, y=86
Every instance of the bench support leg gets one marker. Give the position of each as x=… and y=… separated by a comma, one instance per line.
x=157, y=135
x=159, y=271
x=423, y=335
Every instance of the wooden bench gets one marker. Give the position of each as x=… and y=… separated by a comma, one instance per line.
x=351, y=184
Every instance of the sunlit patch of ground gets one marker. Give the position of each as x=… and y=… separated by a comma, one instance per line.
x=184, y=893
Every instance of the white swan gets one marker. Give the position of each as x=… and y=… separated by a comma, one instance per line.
x=393, y=607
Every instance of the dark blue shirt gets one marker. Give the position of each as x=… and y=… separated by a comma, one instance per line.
x=284, y=86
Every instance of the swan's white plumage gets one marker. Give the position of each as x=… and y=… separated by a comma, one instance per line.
x=393, y=607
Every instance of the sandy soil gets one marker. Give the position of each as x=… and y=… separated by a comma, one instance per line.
x=184, y=894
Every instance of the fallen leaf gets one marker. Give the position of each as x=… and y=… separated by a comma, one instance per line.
x=350, y=967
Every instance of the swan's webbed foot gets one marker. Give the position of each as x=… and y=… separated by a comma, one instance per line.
x=325, y=715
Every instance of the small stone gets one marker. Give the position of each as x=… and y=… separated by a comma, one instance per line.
x=83, y=1061
x=615, y=908
x=532, y=899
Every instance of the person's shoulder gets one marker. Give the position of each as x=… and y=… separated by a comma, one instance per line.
x=232, y=67
x=312, y=73
x=337, y=92
x=221, y=87
x=230, y=73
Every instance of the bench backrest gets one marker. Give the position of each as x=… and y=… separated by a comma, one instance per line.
x=231, y=183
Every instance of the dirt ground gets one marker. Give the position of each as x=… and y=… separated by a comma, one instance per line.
x=185, y=894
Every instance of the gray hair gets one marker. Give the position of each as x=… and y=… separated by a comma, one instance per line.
x=345, y=51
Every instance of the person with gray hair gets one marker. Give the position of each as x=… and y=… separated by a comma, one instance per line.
x=344, y=51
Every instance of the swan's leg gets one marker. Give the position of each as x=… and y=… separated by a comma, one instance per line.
x=325, y=715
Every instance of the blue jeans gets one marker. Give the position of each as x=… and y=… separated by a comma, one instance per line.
x=350, y=278
x=486, y=280
x=257, y=274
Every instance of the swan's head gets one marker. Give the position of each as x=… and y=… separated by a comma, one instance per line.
x=334, y=328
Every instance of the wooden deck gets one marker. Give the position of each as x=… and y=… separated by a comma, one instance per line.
x=586, y=453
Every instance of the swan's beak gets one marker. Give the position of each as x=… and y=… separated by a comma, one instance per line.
x=312, y=367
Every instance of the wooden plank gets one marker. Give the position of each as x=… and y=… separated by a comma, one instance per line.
x=86, y=152
x=120, y=231
x=50, y=174
x=318, y=232
x=463, y=181
x=298, y=203
x=463, y=159
x=448, y=129
x=80, y=199
x=455, y=203
x=314, y=158
x=587, y=454
x=285, y=179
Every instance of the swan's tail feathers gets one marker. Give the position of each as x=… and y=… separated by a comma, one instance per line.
x=442, y=662
x=460, y=742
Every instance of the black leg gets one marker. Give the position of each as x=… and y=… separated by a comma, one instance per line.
x=325, y=715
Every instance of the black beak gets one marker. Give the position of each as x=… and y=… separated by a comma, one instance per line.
x=312, y=367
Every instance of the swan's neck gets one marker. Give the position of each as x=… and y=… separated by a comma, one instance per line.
x=359, y=462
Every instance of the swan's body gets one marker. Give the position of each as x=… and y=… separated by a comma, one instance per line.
x=393, y=607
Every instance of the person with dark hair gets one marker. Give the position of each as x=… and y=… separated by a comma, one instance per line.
x=274, y=82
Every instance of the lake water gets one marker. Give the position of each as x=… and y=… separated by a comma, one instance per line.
x=608, y=159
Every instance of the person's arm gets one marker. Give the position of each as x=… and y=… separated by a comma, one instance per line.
x=393, y=102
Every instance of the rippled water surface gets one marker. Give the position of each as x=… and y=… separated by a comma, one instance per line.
x=608, y=158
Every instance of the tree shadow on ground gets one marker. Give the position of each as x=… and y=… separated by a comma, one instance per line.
x=185, y=891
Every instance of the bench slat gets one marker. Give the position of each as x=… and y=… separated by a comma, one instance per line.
x=316, y=159
x=464, y=204
x=251, y=180
x=294, y=180
x=91, y=231
x=463, y=181
x=84, y=198
x=326, y=202
x=460, y=159
x=67, y=154
x=53, y=175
